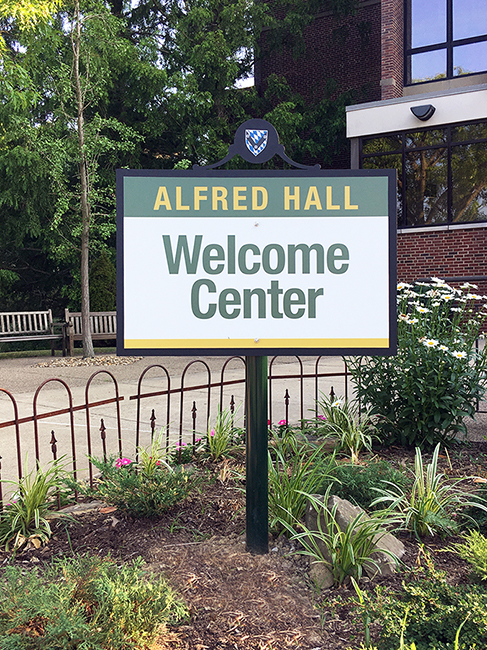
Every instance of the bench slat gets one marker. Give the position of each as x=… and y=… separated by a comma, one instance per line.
x=103, y=326
x=25, y=322
x=28, y=326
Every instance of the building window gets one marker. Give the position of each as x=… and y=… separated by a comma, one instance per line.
x=442, y=172
x=444, y=39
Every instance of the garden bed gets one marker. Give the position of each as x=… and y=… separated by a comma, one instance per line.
x=236, y=600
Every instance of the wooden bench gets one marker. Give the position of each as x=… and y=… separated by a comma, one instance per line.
x=103, y=327
x=29, y=326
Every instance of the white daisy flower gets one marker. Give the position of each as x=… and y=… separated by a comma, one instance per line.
x=430, y=343
x=422, y=310
x=459, y=355
x=443, y=348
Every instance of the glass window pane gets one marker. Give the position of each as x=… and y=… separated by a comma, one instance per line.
x=428, y=22
x=470, y=58
x=469, y=18
x=428, y=66
x=426, y=187
x=469, y=132
x=469, y=176
x=425, y=138
x=391, y=161
x=379, y=145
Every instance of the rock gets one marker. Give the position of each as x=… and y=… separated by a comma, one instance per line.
x=346, y=512
x=106, y=360
x=76, y=509
x=321, y=575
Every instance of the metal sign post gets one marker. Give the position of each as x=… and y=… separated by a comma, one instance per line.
x=256, y=262
x=257, y=469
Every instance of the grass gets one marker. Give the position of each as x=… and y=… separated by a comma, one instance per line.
x=25, y=354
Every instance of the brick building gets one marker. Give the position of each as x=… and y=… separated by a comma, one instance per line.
x=419, y=68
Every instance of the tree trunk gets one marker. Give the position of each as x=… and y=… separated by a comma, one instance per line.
x=88, y=350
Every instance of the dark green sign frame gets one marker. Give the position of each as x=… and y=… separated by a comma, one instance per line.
x=202, y=193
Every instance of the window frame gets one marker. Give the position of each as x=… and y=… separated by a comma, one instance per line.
x=449, y=143
x=449, y=45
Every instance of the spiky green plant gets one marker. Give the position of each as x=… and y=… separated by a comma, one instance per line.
x=348, y=550
x=24, y=518
x=341, y=420
x=221, y=436
x=293, y=471
x=429, y=507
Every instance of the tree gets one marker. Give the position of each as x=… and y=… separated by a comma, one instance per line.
x=69, y=65
x=103, y=284
x=104, y=84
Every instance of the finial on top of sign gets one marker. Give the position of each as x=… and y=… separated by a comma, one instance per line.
x=256, y=141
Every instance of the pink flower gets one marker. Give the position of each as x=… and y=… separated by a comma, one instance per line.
x=268, y=423
x=197, y=440
x=122, y=461
x=282, y=423
x=322, y=417
x=212, y=432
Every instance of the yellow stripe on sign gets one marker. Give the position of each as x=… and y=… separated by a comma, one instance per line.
x=156, y=344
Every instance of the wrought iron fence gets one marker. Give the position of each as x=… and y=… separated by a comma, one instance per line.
x=98, y=426
x=103, y=425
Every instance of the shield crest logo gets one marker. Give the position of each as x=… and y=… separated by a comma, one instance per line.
x=256, y=140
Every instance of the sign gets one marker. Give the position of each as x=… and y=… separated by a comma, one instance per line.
x=256, y=262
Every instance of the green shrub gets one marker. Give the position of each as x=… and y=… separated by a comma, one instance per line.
x=87, y=603
x=103, y=284
x=430, y=612
x=474, y=551
x=357, y=483
x=186, y=452
x=138, y=493
x=424, y=392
